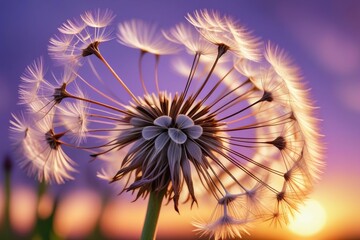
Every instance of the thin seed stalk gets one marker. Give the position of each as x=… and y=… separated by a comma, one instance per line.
x=152, y=215
x=98, y=54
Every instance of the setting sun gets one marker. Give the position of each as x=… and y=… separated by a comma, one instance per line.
x=310, y=219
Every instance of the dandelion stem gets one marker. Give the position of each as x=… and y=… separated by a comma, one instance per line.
x=43, y=228
x=152, y=215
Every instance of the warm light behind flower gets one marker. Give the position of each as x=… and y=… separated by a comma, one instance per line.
x=310, y=219
x=77, y=214
x=22, y=209
x=241, y=129
x=123, y=227
x=45, y=205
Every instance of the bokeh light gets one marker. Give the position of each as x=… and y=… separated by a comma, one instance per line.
x=45, y=206
x=77, y=214
x=22, y=209
x=126, y=227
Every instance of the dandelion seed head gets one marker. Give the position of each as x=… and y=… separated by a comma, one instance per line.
x=242, y=129
x=172, y=135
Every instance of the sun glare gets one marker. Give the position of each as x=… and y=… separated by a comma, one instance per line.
x=310, y=219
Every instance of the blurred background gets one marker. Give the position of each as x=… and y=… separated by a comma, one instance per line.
x=322, y=37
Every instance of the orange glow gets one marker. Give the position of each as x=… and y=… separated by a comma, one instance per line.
x=77, y=214
x=123, y=219
x=45, y=207
x=22, y=209
x=180, y=225
x=340, y=197
x=310, y=219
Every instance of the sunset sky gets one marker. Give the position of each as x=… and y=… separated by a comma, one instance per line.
x=323, y=39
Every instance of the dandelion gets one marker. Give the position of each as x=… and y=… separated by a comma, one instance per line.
x=80, y=38
x=242, y=130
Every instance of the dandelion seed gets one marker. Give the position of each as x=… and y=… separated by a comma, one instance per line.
x=244, y=133
x=98, y=18
x=51, y=93
x=222, y=30
x=74, y=117
x=141, y=35
x=81, y=38
x=41, y=150
x=31, y=82
x=190, y=38
x=72, y=27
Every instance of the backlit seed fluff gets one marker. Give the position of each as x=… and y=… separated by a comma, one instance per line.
x=224, y=30
x=241, y=131
x=186, y=35
x=144, y=36
x=31, y=81
x=79, y=38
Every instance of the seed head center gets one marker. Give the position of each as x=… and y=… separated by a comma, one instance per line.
x=179, y=130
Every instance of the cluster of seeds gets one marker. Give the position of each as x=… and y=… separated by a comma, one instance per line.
x=241, y=129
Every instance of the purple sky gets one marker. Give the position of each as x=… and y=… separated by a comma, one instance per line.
x=323, y=38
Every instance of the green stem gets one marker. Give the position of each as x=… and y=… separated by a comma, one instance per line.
x=152, y=215
x=7, y=166
x=7, y=225
x=43, y=226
